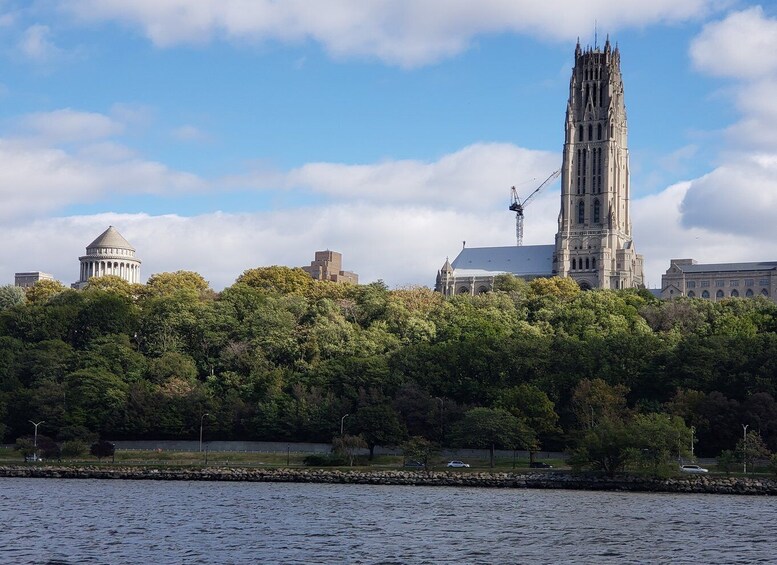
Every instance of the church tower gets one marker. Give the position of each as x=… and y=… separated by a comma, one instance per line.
x=593, y=243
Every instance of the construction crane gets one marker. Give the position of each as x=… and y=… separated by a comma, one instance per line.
x=517, y=205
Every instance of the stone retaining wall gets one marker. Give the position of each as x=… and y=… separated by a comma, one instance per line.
x=550, y=480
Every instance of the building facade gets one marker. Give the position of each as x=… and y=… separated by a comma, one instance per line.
x=593, y=244
x=28, y=279
x=109, y=254
x=716, y=281
x=328, y=266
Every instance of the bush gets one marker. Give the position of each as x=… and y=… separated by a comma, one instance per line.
x=74, y=448
x=325, y=460
x=102, y=449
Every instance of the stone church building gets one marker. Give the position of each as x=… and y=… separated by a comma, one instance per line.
x=593, y=243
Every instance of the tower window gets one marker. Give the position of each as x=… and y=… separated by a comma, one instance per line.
x=580, y=133
x=574, y=263
x=593, y=263
x=590, y=132
x=599, y=132
x=587, y=265
x=581, y=212
x=597, y=211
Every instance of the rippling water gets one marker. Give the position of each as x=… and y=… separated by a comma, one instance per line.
x=60, y=521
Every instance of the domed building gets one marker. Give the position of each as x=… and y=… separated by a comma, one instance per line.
x=109, y=254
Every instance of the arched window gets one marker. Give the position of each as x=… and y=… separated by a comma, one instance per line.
x=719, y=294
x=691, y=294
x=587, y=264
x=590, y=132
x=599, y=132
x=463, y=290
x=482, y=289
x=574, y=263
x=764, y=292
x=581, y=212
x=705, y=294
x=734, y=293
x=580, y=133
x=593, y=263
x=597, y=212
x=749, y=293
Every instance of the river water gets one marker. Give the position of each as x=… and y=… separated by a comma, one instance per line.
x=60, y=521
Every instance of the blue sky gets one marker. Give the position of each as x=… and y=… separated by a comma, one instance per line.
x=223, y=135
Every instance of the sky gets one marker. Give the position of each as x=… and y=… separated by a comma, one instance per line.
x=223, y=135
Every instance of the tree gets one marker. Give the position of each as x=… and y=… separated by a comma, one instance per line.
x=420, y=449
x=379, y=425
x=752, y=449
x=726, y=461
x=11, y=295
x=657, y=439
x=43, y=290
x=163, y=284
x=114, y=284
x=594, y=401
x=348, y=447
x=276, y=279
x=102, y=449
x=490, y=428
x=606, y=447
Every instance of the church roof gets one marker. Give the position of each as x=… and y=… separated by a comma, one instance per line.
x=111, y=238
x=728, y=267
x=525, y=260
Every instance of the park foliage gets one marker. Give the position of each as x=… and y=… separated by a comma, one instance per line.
x=619, y=377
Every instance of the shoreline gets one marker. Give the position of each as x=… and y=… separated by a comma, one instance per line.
x=545, y=480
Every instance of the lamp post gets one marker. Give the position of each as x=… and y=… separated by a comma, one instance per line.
x=693, y=430
x=744, y=448
x=201, y=419
x=35, y=439
x=442, y=423
x=342, y=421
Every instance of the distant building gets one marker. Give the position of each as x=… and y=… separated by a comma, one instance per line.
x=109, y=254
x=716, y=281
x=26, y=280
x=593, y=243
x=328, y=266
x=475, y=268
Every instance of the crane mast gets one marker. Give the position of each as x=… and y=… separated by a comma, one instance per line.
x=517, y=205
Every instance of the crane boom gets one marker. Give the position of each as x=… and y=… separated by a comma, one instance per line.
x=517, y=205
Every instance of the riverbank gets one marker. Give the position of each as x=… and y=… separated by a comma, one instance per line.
x=548, y=480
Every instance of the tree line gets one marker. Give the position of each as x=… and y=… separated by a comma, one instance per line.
x=280, y=356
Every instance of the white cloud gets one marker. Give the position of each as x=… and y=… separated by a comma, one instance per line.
x=403, y=32
x=189, y=133
x=36, y=44
x=67, y=125
x=743, y=45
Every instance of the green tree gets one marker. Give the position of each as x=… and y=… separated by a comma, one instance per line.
x=659, y=439
x=44, y=290
x=276, y=279
x=420, y=449
x=491, y=428
x=727, y=461
x=594, y=401
x=11, y=296
x=379, y=425
x=752, y=449
x=606, y=447
x=348, y=446
x=165, y=284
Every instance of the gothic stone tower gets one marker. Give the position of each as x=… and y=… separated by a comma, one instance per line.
x=593, y=243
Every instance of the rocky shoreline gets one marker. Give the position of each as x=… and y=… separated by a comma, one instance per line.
x=545, y=480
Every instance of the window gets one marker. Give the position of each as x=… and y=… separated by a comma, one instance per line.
x=719, y=294
x=705, y=294
x=733, y=282
x=749, y=282
x=690, y=284
x=590, y=132
x=720, y=283
x=764, y=282
x=587, y=266
x=705, y=284
x=597, y=211
x=734, y=293
x=764, y=292
x=749, y=293
x=593, y=263
x=691, y=294
x=574, y=264
x=581, y=212
x=599, y=132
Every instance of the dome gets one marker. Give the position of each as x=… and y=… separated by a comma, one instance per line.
x=110, y=238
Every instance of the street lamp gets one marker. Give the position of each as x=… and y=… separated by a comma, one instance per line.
x=35, y=439
x=201, y=419
x=744, y=448
x=693, y=430
x=342, y=421
x=442, y=425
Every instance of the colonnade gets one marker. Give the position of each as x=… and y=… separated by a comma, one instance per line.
x=129, y=271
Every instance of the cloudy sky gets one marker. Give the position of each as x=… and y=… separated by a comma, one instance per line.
x=221, y=135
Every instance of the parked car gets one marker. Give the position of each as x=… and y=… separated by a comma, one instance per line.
x=693, y=469
x=540, y=465
x=457, y=464
x=414, y=463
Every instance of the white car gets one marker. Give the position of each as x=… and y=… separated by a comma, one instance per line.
x=457, y=464
x=693, y=469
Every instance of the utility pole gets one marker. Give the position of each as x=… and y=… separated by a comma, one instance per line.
x=35, y=439
x=744, y=448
